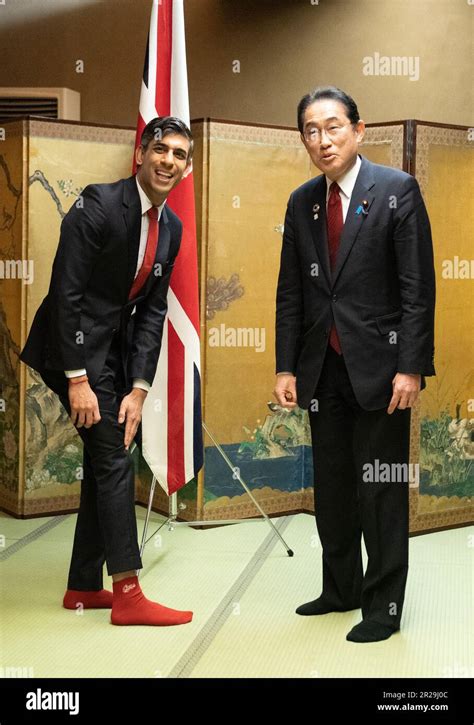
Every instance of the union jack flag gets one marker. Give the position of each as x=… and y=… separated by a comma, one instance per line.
x=171, y=422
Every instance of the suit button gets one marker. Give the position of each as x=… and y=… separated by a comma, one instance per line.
x=334, y=298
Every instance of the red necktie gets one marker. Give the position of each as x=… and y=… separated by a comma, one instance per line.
x=335, y=224
x=150, y=253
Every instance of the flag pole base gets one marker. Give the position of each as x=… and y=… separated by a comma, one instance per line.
x=171, y=522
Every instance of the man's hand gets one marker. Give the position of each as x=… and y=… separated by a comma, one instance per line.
x=84, y=405
x=285, y=390
x=406, y=388
x=131, y=412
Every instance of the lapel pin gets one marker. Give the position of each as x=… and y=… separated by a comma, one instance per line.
x=315, y=210
x=363, y=208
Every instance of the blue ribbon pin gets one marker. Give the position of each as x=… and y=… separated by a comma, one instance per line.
x=362, y=208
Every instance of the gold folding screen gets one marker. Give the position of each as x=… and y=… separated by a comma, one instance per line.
x=243, y=176
x=442, y=161
x=11, y=302
x=44, y=167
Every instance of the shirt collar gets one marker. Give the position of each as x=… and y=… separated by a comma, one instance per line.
x=347, y=181
x=145, y=202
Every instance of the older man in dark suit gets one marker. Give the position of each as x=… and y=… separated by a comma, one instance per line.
x=96, y=340
x=354, y=340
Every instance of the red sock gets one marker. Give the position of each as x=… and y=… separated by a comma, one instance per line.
x=89, y=600
x=130, y=606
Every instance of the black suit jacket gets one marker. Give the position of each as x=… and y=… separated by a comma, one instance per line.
x=383, y=283
x=93, y=271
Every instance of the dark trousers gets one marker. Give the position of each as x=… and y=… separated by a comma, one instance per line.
x=106, y=528
x=347, y=441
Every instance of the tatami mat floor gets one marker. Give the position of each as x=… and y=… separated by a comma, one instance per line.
x=243, y=589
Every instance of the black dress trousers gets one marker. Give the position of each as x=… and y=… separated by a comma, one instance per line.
x=350, y=445
x=106, y=528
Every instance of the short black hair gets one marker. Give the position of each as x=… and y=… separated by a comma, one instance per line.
x=161, y=126
x=335, y=94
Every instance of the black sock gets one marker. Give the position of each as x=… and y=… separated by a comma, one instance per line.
x=321, y=606
x=367, y=631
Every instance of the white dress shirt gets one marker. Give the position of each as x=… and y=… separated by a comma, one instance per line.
x=145, y=223
x=146, y=204
x=346, y=184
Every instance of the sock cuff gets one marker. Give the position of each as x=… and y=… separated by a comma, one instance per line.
x=125, y=585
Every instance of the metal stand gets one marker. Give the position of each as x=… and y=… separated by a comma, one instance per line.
x=171, y=521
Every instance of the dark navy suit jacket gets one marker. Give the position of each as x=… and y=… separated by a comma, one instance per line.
x=381, y=294
x=93, y=270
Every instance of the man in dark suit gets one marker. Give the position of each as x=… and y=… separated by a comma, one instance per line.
x=354, y=340
x=96, y=340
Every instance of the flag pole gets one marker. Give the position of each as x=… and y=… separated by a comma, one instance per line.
x=164, y=91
